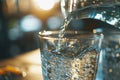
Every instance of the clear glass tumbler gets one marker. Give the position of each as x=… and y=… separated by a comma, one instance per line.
x=111, y=54
x=76, y=58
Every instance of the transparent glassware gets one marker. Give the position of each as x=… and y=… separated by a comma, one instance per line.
x=111, y=57
x=107, y=11
x=97, y=16
x=77, y=58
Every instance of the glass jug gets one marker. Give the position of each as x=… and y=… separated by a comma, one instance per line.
x=91, y=14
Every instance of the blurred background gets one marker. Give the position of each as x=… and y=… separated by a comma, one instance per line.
x=20, y=20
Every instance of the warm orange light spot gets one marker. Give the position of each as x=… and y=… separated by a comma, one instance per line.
x=44, y=4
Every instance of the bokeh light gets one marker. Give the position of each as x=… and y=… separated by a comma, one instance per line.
x=11, y=5
x=30, y=23
x=54, y=23
x=14, y=32
x=44, y=4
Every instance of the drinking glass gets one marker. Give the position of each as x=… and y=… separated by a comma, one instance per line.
x=111, y=60
x=75, y=56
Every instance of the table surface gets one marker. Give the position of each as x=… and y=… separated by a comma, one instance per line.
x=28, y=62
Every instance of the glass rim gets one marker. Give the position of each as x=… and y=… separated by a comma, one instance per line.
x=69, y=32
x=70, y=35
x=48, y=32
